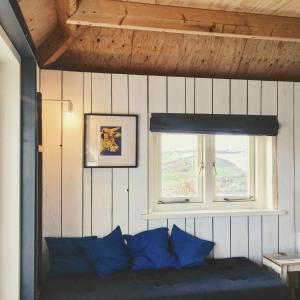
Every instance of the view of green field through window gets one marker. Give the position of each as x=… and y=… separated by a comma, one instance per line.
x=180, y=165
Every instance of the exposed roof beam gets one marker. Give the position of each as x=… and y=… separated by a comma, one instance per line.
x=63, y=36
x=152, y=17
x=65, y=9
x=73, y=6
x=56, y=45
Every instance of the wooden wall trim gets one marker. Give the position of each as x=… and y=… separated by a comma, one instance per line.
x=56, y=45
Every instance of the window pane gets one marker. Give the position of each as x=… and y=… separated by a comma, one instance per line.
x=232, y=165
x=179, y=164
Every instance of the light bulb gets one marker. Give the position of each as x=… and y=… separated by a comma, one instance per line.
x=70, y=107
x=69, y=115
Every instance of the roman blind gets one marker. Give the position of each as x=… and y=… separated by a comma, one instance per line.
x=214, y=124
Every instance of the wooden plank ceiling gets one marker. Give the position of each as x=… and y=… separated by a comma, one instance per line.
x=230, y=40
x=288, y=8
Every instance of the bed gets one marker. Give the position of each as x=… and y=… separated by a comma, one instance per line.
x=232, y=278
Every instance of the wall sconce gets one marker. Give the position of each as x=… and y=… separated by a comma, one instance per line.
x=70, y=107
x=70, y=104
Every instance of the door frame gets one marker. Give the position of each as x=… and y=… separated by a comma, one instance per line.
x=16, y=29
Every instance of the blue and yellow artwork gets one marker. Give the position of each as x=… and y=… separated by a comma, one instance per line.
x=110, y=140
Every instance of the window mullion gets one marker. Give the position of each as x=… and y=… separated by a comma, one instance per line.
x=209, y=156
x=200, y=169
x=252, y=158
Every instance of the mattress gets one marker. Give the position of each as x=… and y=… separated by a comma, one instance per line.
x=232, y=278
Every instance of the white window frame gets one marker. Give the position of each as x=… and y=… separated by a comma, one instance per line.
x=262, y=171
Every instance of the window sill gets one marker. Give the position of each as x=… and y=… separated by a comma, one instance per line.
x=213, y=213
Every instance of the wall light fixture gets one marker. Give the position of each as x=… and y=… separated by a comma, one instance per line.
x=70, y=104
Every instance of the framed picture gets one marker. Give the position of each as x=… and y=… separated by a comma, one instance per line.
x=110, y=141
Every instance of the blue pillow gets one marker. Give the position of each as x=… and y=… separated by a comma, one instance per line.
x=66, y=257
x=150, y=250
x=190, y=250
x=107, y=255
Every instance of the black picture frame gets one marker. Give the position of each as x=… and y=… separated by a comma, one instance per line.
x=86, y=116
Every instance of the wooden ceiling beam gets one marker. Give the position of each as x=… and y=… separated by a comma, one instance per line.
x=56, y=45
x=161, y=18
x=63, y=36
x=65, y=9
x=73, y=6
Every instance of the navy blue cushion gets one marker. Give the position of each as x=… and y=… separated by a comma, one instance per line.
x=190, y=250
x=107, y=255
x=66, y=257
x=150, y=250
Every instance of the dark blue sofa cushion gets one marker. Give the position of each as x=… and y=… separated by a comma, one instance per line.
x=107, y=255
x=150, y=250
x=66, y=257
x=190, y=250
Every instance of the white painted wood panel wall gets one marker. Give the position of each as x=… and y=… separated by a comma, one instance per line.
x=81, y=202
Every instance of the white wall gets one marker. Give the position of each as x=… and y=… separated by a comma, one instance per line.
x=9, y=170
x=81, y=201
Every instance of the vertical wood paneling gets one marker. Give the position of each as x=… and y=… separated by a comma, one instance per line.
x=285, y=163
x=176, y=94
x=138, y=177
x=269, y=223
x=238, y=99
x=189, y=95
x=269, y=98
x=221, y=225
x=270, y=234
x=51, y=220
x=297, y=154
x=157, y=94
x=221, y=237
x=101, y=202
x=178, y=222
x=255, y=225
x=157, y=103
x=255, y=239
x=157, y=223
x=87, y=178
x=51, y=89
x=254, y=97
x=99, y=199
x=239, y=236
x=72, y=160
x=203, y=95
x=221, y=95
x=190, y=225
x=120, y=105
x=204, y=228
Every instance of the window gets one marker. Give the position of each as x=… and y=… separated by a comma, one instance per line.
x=234, y=166
x=194, y=171
x=179, y=167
